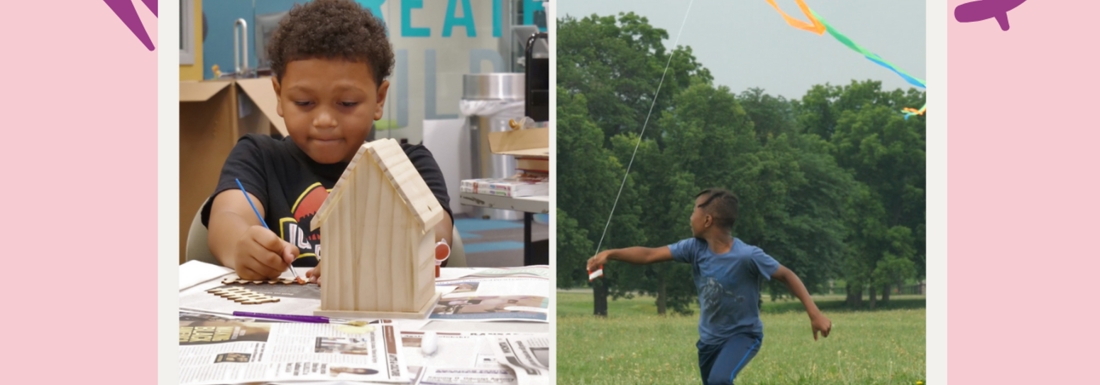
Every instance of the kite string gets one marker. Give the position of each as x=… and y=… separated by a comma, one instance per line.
x=644, y=124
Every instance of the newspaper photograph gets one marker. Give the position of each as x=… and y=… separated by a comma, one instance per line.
x=496, y=287
x=527, y=356
x=459, y=358
x=541, y=271
x=233, y=351
x=453, y=349
x=503, y=299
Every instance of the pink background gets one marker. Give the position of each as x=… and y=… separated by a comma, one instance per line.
x=80, y=182
x=1023, y=199
x=79, y=121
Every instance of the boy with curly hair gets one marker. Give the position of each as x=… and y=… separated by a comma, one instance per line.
x=330, y=60
x=727, y=276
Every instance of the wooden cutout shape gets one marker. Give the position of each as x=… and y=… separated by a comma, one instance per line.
x=378, y=236
x=244, y=296
x=279, y=281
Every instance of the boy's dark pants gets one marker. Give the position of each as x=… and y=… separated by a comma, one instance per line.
x=719, y=364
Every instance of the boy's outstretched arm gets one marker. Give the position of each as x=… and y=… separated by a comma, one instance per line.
x=635, y=255
x=239, y=241
x=818, y=321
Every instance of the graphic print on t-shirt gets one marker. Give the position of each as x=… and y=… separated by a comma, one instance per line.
x=295, y=230
x=711, y=297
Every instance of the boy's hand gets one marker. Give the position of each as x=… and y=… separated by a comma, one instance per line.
x=314, y=274
x=594, y=263
x=820, y=323
x=262, y=255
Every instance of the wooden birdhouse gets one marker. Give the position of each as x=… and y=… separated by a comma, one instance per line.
x=377, y=238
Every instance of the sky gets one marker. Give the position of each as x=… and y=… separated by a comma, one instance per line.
x=746, y=43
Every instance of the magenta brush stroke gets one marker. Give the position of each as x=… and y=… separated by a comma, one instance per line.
x=126, y=12
x=986, y=9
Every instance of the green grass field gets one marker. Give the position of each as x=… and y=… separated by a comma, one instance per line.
x=636, y=346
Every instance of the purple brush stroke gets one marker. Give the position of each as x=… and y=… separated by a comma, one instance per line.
x=985, y=9
x=152, y=5
x=126, y=12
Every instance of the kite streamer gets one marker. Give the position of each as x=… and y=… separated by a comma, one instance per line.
x=814, y=25
x=819, y=26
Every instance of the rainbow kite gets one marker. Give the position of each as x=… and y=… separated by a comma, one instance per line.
x=818, y=26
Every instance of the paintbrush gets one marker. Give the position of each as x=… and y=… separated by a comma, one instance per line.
x=241, y=186
x=285, y=317
x=316, y=319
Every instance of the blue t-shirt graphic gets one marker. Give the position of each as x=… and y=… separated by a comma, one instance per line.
x=728, y=285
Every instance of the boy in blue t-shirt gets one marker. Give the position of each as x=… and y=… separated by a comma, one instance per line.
x=727, y=277
x=331, y=59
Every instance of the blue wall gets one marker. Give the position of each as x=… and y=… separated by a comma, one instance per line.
x=220, y=15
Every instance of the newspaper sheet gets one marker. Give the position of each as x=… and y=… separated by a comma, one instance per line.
x=518, y=285
x=540, y=271
x=293, y=299
x=527, y=356
x=223, y=351
x=460, y=358
x=195, y=272
x=463, y=376
x=500, y=299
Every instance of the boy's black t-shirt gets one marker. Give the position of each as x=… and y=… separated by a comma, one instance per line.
x=291, y=186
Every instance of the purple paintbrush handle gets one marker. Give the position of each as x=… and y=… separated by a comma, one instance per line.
x=284, y=317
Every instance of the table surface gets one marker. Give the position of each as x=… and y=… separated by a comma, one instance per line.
x=207, y=270
x=534, y=204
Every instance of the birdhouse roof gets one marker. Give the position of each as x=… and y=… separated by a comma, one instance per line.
x=399, y=173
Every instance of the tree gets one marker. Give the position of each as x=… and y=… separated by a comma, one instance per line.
x=770, y=116
x=665, y=196
x=618, y=64
x=589, y=193
x=573, y=245
x=816, y=113
x=886, y=153
x=796, y=202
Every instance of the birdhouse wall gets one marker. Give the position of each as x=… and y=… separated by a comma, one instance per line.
x=424, y=272
x=349, y=263
x=378, y=257
x=378, y=214
x=345, y=253
x=335, y=263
